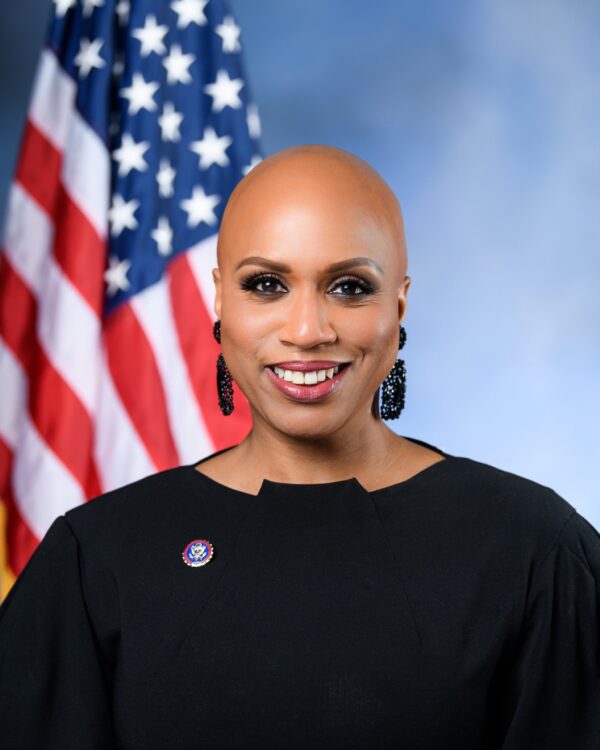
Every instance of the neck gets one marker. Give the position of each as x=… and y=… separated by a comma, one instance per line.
x=308, y=459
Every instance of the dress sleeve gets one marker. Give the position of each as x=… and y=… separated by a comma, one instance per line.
x=55, y=677
x=553, y=692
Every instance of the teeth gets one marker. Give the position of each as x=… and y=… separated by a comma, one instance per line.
x=306, y=378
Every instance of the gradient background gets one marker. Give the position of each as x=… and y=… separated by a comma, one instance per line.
x=484, y=117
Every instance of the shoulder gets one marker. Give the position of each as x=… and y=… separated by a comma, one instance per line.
x=138, y=500
x=516, y=529
x=523, y=509
x=143, y=514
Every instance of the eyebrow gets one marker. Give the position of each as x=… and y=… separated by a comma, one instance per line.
x=342, y=265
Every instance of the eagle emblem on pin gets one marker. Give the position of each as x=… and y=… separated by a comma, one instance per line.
x=197, y=553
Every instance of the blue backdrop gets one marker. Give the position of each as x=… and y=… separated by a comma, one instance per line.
x=484, y=118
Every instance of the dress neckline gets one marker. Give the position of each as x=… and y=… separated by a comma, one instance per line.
x=317, y=488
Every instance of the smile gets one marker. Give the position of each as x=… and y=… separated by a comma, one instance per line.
x=307, y=385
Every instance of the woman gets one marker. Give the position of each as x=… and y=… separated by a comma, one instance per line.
x=326, y=583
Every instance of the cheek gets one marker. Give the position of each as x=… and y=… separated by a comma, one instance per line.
x=378, y=340
x=370, y=333
x=242, y=326
x=245, y=340
x=242, y=348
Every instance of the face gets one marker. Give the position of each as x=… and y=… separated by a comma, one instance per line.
x=311, y=268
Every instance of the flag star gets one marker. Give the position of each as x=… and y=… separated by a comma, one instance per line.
x=88, y=56
x=229, y=33
x=165, y=177
x=169, y=122
x=62, y=6
x=90, y=5
x=200, y=207
x=177, y=65
x=121, y=215
x=253, y=120
x=116, y=275
x=122, y=10
x=224, y=91
x=256, y=159
x=190, y=11
x=140, y=94
x=130, y=155
x=151, y=36
x=211, y=149
x=163, y=236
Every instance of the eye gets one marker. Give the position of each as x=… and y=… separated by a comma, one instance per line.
x=351, y=281
x=250, y=284
x=269, y=283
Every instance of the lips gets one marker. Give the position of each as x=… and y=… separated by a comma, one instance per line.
x=298, y=392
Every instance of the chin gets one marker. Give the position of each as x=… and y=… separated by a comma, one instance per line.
x=308, y=422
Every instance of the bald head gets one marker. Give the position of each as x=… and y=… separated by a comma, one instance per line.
x=301, y=186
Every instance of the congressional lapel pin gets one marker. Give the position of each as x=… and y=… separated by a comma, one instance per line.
x=197, y=553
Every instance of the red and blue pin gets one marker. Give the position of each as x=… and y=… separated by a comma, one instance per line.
x=197, y=553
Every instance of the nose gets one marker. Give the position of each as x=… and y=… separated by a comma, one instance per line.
x=307, y=320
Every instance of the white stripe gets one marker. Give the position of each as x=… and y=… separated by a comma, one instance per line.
x=43, y=487
x=120, y=455
x=152, y=308
x=13, y=402
x=52, y=100
x=69, y=332
x=28, y=238
x=202, y=259
x=86, y=173
x=86, y=167
x=68, y=329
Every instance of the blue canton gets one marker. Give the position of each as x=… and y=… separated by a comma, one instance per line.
x=161, y=83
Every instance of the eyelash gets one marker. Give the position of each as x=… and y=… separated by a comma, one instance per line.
x=249, y=284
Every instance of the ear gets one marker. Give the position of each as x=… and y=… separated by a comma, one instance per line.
x=402, y=303
x=216, y=274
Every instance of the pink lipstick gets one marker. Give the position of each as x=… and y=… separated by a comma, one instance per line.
x=301, y=392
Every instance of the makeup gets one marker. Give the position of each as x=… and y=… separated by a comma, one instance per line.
x=307, y=392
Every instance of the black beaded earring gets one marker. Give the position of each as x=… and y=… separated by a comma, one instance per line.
x=224, y=379
x=394, y=386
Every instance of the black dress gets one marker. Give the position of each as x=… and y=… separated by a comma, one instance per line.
x=457, y=609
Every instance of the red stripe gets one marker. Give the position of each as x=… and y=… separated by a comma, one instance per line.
x=38, y=168
x=78, y=248
x=21, y=542
x=79, y=251
x=18, y=313
x=137, y=379
x=200, y=351
x=56, y=411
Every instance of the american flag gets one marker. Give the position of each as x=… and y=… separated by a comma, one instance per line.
x=140, y=125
